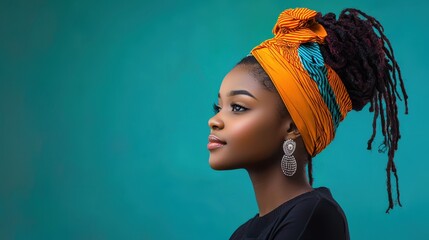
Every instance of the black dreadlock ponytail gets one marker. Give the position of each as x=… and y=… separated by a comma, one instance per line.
x=357, y=49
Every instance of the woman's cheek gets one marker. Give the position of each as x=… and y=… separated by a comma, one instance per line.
x=251, y=133
x=244, y=128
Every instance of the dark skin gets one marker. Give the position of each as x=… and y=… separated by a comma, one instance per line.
x=253, y=130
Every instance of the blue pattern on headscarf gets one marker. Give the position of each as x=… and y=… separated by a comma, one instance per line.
x=312, y=60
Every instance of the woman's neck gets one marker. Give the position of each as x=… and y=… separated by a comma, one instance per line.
x=272, y=188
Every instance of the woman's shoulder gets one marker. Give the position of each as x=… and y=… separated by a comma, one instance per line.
x=316, y=203
x=327, y=218
x=313, y=215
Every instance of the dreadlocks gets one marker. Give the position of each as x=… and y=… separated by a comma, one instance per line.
x=357, y=49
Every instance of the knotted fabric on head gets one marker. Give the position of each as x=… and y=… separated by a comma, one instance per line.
x=313, y=93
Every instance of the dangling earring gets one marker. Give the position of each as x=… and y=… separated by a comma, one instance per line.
x=288, y=163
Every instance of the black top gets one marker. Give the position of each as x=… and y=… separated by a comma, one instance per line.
x=312, y=215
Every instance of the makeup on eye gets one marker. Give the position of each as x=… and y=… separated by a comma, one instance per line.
x=238, y=108
x=216, y=108
x=234, y=108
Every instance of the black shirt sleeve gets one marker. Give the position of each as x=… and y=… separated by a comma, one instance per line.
x=311, y=220
x=327, y=222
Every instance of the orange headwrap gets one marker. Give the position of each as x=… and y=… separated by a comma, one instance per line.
x=300, y=92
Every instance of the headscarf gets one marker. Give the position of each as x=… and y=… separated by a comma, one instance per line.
x=312, y=92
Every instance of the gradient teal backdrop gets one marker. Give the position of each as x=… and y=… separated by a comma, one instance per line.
x=103, y=120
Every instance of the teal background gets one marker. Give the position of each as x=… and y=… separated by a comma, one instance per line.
x=103, y=120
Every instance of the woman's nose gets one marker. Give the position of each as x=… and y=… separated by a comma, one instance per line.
x=215, y=123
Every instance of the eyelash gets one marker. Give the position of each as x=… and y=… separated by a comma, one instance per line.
x=235, y=106
x=217, y=108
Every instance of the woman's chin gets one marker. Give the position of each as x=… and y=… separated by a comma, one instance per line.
x=217, y=164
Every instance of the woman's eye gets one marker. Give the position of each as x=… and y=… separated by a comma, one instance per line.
x=238, y=108
x=216, y=108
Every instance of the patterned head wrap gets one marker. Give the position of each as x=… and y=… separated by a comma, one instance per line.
x=313, y=93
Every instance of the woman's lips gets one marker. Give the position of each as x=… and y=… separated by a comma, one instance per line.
x=215, y=142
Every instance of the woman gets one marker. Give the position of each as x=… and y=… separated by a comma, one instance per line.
x=281, y=105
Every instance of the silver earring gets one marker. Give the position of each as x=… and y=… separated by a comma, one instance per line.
x=288, y=163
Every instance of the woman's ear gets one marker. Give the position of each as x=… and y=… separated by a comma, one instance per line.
x=292, y=131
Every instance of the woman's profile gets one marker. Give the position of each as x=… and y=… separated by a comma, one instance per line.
x=281, y=105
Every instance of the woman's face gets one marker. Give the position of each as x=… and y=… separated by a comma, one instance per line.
x=248, y=130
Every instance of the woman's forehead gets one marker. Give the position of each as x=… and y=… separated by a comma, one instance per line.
x=240, y=78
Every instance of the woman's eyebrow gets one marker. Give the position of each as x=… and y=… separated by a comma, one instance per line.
x=239, y=92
